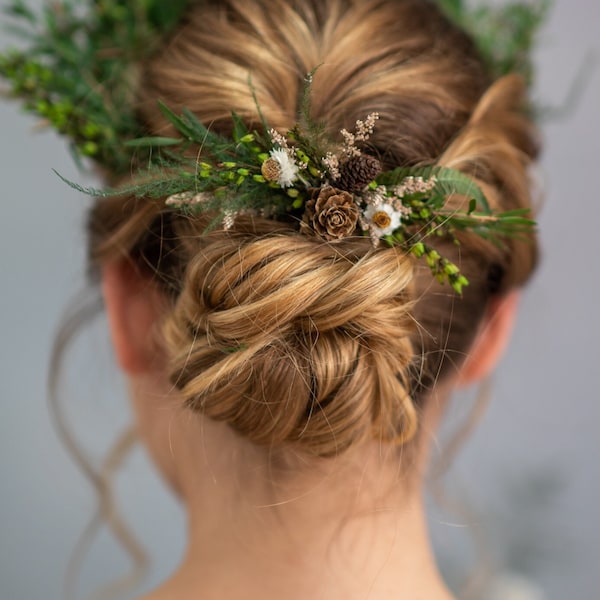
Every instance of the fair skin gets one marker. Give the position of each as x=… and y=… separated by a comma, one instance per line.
x=267, y=525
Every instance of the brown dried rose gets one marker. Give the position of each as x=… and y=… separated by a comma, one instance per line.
x=331, y=214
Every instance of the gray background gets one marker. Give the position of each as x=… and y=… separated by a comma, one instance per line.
x=527, y=479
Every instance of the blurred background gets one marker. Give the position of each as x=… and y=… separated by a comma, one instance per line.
x=519, y=506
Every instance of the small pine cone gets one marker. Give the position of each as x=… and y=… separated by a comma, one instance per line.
x=330, y=214
x=357, y=172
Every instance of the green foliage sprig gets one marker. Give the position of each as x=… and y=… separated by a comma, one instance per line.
x=79, y=71
x=505, y=34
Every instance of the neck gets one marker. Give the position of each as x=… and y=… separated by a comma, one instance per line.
x=261, y=527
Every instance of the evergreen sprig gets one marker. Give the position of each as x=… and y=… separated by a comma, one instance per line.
x=78, y=71
x=504, y=33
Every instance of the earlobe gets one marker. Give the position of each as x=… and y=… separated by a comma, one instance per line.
x=131, y=303
x=492, y=339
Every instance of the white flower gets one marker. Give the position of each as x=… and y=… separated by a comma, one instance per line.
x=382, y=219
x=289, y=168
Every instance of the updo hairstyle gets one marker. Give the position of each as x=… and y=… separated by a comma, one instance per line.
x=293, y=341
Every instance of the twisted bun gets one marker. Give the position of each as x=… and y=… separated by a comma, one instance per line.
x=290, y=340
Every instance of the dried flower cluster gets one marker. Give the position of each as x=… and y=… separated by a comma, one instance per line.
x=363, y=131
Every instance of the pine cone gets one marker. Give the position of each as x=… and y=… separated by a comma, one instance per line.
x=330, y=214
x=357, y=172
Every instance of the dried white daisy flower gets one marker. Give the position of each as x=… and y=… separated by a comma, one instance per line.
x=288, y=167
x=382, y=219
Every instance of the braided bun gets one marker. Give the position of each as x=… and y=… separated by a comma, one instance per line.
x=288, y=339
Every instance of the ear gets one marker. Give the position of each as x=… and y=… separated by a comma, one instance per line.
x=492, y=339
x=131, y=302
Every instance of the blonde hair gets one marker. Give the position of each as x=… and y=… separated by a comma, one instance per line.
x=291, y=340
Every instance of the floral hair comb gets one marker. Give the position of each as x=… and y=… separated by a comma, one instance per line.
x=333, y=191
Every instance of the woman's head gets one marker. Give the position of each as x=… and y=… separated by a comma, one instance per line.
x=290, y=340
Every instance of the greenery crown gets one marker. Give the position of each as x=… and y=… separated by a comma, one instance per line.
x=78, y=70
x=78, y=73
